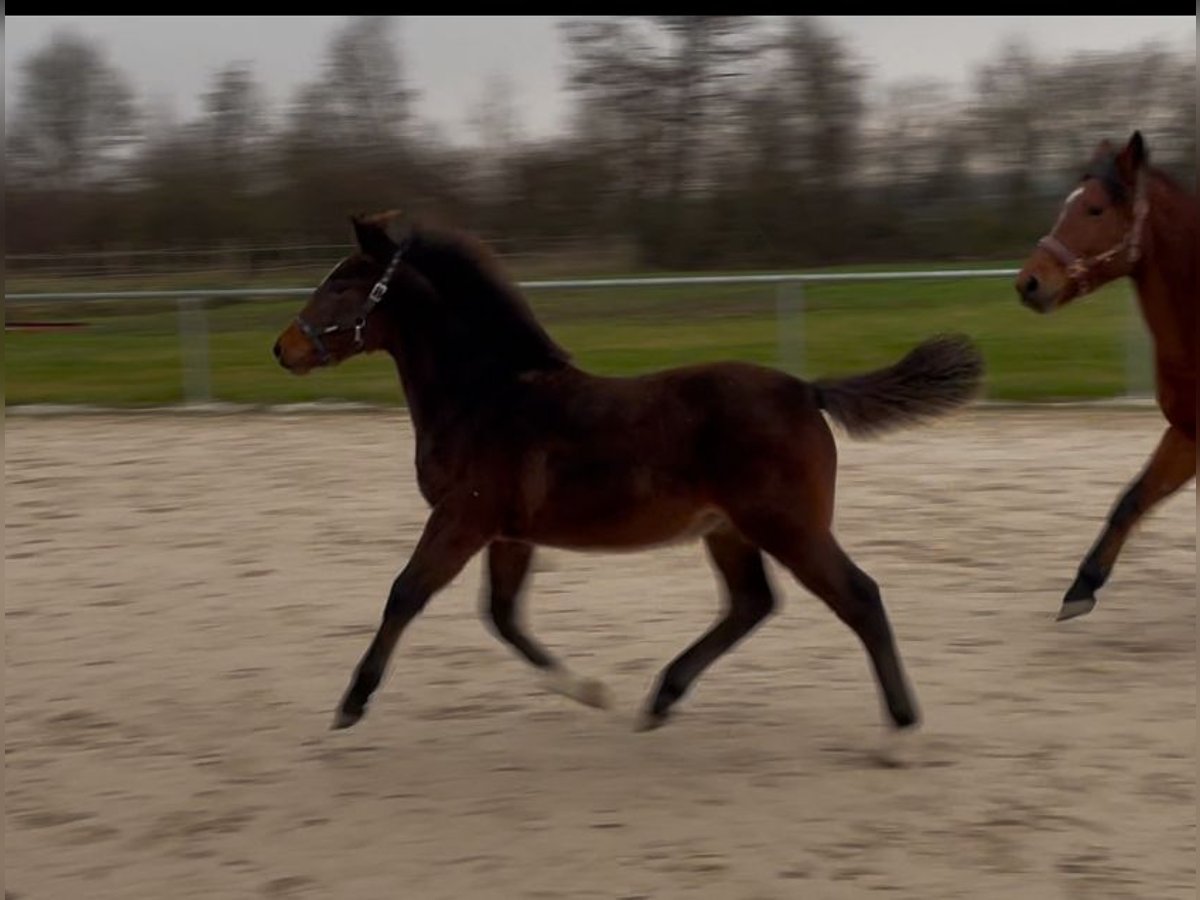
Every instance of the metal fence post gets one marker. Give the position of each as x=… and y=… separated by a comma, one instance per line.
x=193, y=350
x=1139, y=374
x=789, y=327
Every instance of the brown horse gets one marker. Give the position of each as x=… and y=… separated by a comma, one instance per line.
x=517, y=447
x=1127, y=218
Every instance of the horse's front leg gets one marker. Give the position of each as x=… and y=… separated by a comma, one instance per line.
x=1172, y=466
x=455, y=532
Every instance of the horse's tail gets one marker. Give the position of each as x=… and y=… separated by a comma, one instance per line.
x=937, y=376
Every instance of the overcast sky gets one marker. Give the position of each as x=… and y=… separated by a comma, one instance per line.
x=448, y=59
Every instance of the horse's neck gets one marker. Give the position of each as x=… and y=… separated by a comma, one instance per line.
x=418, y=408
x=416, y=365
x=436, y=392
x=1166, y=281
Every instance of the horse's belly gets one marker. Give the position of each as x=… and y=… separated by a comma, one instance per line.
x=603, y=501
x=630, y=529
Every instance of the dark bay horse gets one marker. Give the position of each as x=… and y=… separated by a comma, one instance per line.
x=517, y=447
x=1127, y=218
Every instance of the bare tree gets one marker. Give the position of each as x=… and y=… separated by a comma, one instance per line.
x=75, y=115
x=697, y=140
x=1012, y=121
x=361, y=96
x=493, y=118
x=652, y=93
x=350, y=127
x=235, y=123
x=619, y=100
x=822, y=91
x=1111, y=94
x=818, y=89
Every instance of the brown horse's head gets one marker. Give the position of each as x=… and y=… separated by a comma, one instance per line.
x=1097, y=237
x=337, y=321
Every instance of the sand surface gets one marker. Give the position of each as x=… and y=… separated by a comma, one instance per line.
x=186, y=596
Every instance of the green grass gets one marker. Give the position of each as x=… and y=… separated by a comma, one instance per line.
x=129, y=355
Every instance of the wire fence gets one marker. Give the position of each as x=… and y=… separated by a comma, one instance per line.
x=790, y=312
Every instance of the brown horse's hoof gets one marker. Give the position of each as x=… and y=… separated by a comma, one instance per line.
x=1078, y=606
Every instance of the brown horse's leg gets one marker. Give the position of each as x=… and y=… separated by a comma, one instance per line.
x=508, y=565
x=819, y=563
x=825, y=569
x=748, y=601
x=1170, y=468
x=451, y=537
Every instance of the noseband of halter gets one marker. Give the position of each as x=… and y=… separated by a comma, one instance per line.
x=1079, y=268
x=378, y=291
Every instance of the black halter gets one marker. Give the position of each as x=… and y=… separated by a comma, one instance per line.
x=317, y=335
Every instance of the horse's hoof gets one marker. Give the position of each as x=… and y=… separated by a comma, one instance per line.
x=588, y=691
x=649, y=721
x=595, y=693
x=1079, y=606
x=344, y=718
x=896, y=750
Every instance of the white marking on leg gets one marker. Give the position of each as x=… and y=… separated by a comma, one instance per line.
x=587, y=691
x=899, y=748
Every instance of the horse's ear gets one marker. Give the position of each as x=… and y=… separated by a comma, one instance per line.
x=372, y=238
x=1133, y=157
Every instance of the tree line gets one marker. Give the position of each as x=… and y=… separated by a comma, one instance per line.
x=693, y=141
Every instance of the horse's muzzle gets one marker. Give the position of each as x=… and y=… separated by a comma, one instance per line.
x=293, y=352
x=1033, y=295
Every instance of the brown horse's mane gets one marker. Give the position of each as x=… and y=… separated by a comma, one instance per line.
x=1170, y=180
x=1177, y=221
x=488, y=320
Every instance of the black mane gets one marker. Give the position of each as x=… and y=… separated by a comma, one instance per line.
x=492, y=328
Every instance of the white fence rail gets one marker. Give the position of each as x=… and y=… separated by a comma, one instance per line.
x=789, y=311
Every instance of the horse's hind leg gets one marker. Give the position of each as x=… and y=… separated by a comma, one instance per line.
x=507, y=567
x=820, y=564
x=749, y=600
x=1172, y=466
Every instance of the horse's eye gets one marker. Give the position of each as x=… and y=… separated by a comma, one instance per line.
x=1095, y=210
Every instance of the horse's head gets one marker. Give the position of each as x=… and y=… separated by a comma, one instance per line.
x=337, y=321
x=1097, y=237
